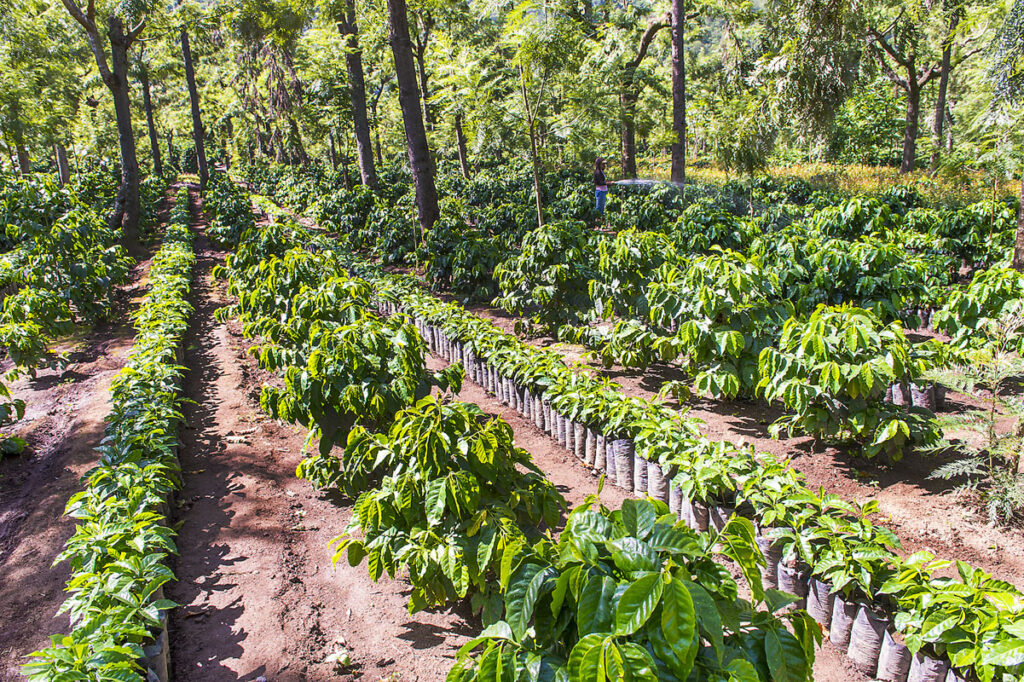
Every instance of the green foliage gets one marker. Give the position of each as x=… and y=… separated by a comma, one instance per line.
x=460, y=258
x=970, y=313
x=987, y=464
x=229, y=209
x=974, y=621
x=119, y=551
x=457, y=502
x=633, y=594
x=833, y=371
x=547, y=280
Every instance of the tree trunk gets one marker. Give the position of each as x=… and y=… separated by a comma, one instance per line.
x=627, y=104
x=428, y=114
x=24, y=162
x=422, y=40
x=913, y=115
x=1018, y=246
x=679, y=91
x=460, y=138
x=332, y=151
x=147, y=103
x=409, y=99
x=197, y=121
x=127, y=208
x=949, y=130
x=531, y=123
x=171, y=152
x=940, y=100
x=357, y=91
x=63, y=172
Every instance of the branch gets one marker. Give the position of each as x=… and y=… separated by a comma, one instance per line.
x=965, y=56
x=887, y=70
x=133, y=34
x=880, y=39
x=928, y=74
x=76, y=12
x=646, y=39
x=87, y=20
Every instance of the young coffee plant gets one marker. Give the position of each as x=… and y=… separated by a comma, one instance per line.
x=457, y=501
x=832, y=372
x=635, y=595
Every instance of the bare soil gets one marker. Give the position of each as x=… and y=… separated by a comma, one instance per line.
x=259, y=597
x=63, y=424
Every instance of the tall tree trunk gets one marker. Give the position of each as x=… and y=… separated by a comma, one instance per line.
x=679, y=91
x=63, y=172
x=349, y=29
x=229, y=134
x=409, y=99
x=627, y=104
x=913, y=115
x=940, y=101
x=197, y=121
x=127, y=208
x=24, y=162
x=171, y=151
x=1018, y=246
x=949, y=130
x=428, y=114
x=332, y=151
x=420, y=51
x=147, y=104
x=460, y=138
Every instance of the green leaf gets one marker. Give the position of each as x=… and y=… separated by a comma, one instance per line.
x=679, y=625
x=637, y=603
x=596, y=607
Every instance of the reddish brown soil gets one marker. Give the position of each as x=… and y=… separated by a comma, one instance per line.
x=255, y=580
x=63, y=424
x=920, y=511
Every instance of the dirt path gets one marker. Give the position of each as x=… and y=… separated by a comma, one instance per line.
x=63, y=424
x=255, y=580
x=914, y=507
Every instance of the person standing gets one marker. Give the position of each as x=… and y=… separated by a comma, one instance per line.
x=600, y=184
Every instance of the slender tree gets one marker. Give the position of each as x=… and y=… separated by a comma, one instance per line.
x=61, y=155
x=1008, y=78
x=939, y=117
x=114, y=73
x=349, y=29
x=900, y=52
x=147, y=104
x=679, y=91
x=198, y=135
x=412, y=116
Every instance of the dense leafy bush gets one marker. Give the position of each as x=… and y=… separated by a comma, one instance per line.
x=833, y=371
x=633, y=594
x=548, y=280
x=457, y=501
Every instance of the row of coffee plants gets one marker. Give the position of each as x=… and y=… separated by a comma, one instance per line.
x=60, y=266
x=445, y=497
x=827, y=552
x=712, y=464
x=119, y=551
